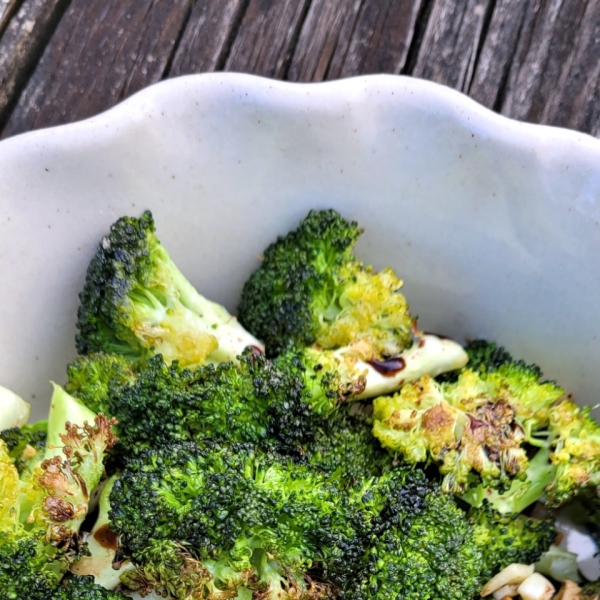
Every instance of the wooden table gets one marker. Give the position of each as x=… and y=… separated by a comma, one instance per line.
x=535, y=60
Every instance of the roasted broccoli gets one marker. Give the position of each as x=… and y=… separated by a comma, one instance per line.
x=505, y=540
x=431, y=554
x=228, y=520
x=42, y=508
x=496, y=432
x=247, y=401
x=220, y=519
x=137, y=303
x=311, y=289
x=333, y=377
x=25, y=444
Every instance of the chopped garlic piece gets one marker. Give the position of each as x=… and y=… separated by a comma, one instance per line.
x=514, y=573
x=536, y=587
x=506, y=591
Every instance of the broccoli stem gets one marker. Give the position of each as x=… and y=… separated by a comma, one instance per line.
x=14, y=411
x=429, y=355
x=522, y=493
x=231, y=336
x=64, y=409
x=101, y=546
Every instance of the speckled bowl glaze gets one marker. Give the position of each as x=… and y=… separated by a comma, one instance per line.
x=493, y=224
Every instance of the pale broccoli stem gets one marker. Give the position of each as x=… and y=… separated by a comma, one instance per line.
x=14, y=411
x=102, y=546
x=429, y=355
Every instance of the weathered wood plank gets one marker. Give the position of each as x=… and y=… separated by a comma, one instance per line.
x=543, y=49
x=578, y=104
x=450, y=45
x=101, y=52
x=267, y=36
x=24, y=30
x=324, y=39
x=208, y=36
x=381, y=38
x=498, y=51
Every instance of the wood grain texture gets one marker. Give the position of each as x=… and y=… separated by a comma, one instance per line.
x=208, y=36
x=324, y=39
x=381, y=38
x=559, y=47
x=24, y=31
x=266, y=37
x=498, y=51
x=101, y=52
x=449, y=48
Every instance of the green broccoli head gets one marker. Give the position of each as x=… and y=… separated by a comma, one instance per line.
x=228, y=515
x=345, y=447
x=431, y=554
x=240, y=521
x=478, y=429
x=505, y=540
x=137, y=303
x=155, y=403
x=310, y=289
x=82, y=588
x=25, y=444
x=94, y=377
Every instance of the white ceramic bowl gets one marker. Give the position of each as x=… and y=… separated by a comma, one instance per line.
x=493, y=224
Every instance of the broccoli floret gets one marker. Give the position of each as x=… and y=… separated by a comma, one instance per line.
x=497, y=433
x=505, y=540
x=83, y=588
x=310, y=288
x=345, y=446
x=478, y=428
x=214, y=514
x=431, y=554
x=92, y=378
x=25, y=444
x=234, y=521
x=137, y=303
x=248, y=401
x=42, y=508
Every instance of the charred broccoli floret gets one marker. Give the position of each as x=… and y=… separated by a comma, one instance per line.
x=25, y=444
x=505, y=540
x=219, y=518
x=311, y=289
x=248, y=401
x=431, y=554
x=233, y=521
x=43, y=506
x=137, y=303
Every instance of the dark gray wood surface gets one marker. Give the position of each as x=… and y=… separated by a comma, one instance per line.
x=64, y=60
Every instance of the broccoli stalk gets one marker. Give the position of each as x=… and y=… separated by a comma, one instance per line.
x=102, y=547
x=348, y=374
x=14, y=411
x=137, y=303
